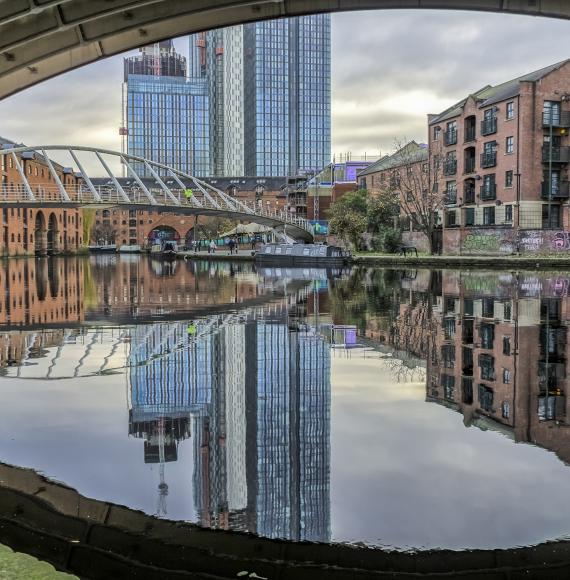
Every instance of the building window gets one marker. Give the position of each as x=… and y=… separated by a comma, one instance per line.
x=450, y=192
x=510, y=110
x=436, y=133
x=450, y=219
x=489, y=187
x=550, y=216
x=507, y=311
x=551, y=113
x=507, y=345
x=487, y=366
x=508, y=213
x=510, y=145
x=508, y=178
x=448, y=384
x=505, y=409
x=448, y=356
x=489, y=216
x=470, y=216
x=488, y=307
x=486, y=398
x=506, y=376
x=487, y=335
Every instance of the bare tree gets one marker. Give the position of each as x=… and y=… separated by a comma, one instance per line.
x=103, y=234
x=414, y=177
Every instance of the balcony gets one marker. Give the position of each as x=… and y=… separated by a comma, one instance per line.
x=469, y=192
x=469, y=165
x=488, y=159
x=489, y=126
x=470, y=134
x=560, y=190
x=450, y=197
x=559, y=154
x=450, y=167
x=488, y=191
x=450, y=137
x=556, y=119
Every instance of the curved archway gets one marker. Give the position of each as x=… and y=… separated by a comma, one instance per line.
x=40, y=45
x=52, y=235
x=163, y=234
x=40, y=234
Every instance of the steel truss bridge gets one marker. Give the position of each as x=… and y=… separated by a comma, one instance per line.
x=43, y=38
x=151, y=186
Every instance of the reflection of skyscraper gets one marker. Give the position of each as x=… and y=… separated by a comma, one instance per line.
x=255, y=398
x=272, y=416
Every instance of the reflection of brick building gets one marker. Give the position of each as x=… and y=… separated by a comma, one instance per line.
x=37, y=230
x=500, y=355
x=41, y=292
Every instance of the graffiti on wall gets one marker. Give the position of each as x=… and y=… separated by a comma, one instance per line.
x=531, y=241
x=488, y=242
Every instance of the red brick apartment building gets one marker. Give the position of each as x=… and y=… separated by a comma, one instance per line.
x=27, y=231
x=503, y=155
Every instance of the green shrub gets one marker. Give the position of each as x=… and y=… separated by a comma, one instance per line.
x=392, y=240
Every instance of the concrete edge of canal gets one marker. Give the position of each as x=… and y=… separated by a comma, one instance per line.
x=98, y=540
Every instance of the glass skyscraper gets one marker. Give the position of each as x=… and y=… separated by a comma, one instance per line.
x=269, y=87
x=166, y=114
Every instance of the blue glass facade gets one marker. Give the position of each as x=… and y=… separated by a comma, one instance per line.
x=287, y=95
x=168, y=121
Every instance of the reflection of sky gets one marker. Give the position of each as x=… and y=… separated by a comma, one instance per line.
x=408, y=473
x=403, y=472
x=77, y=432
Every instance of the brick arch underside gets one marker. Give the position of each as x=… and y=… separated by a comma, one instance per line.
x=41, y=41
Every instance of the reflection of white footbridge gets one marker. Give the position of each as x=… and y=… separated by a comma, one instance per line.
x=150, y=186
x=88, y=351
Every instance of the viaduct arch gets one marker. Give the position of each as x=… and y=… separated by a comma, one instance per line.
x=40, y=39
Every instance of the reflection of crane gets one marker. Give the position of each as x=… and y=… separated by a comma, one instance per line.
x=162, y=486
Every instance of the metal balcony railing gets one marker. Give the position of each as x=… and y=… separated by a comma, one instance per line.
x=469, y=194
x=450, y=137
x=489, y=126
x=559, y=154
x=469, y=165
x=488, y=159
x=450, y=197
x=470, y=134
x=556, y=119
x=560, y=190
x=450, y=167
x=488, y=191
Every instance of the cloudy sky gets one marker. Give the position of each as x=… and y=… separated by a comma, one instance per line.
x=390, y=69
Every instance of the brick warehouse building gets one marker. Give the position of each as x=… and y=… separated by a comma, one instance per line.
x=504, y=152
x=27, y=231
x=139, y=227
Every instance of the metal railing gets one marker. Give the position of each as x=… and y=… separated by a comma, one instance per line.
x=488, y=159
x=560, y=190
x=450, y=167
x=49, y=194
x=489, y=126
x=488, y=191
x=555, y=154
x=188, y=194
x=556, y=119
x=450, y=137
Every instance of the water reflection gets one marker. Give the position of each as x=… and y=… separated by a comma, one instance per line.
x=254, y=399
x=292, y=403
x=498, y=352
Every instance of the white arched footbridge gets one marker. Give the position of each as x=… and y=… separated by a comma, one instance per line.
x=148, y=185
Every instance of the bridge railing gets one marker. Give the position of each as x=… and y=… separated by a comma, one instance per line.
x=109, y=194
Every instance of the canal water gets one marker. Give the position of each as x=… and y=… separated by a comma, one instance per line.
x=404, y=409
